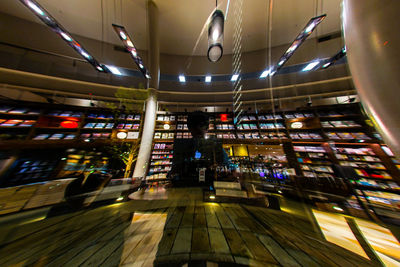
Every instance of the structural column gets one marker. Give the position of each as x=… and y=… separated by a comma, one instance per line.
x=372, y=42
x=153, y=53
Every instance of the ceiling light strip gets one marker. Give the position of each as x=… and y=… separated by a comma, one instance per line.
x=130, y=47
x=303, y=35
x=342, y=53
x=51, y=22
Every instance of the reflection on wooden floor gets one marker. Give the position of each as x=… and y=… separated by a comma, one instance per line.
x=171, y=231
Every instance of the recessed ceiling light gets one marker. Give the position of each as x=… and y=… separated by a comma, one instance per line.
x=182, y=78
x=208, y=79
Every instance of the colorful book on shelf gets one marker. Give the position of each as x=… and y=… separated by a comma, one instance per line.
x=10, y=123
x=326, y=124
x=100, y=125
x=56, y=136
x=109, y=125
x=248, y=136
x=361, y=135
x=85, y=135
x=299, y=115
x=69, y=136
x=18, y=111
x=41, y=137
x=105, y=135
x=96, y=135
x=5, y=109
x=290, y=116
x=89, y=125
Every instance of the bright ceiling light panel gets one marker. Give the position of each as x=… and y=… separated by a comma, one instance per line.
x=127, y=41
x=114, y=70
x=47, y=19
x=311, y=65
x=265, y=73
x=234, y=77
x=335, y=58
x=208, y=79
x=182, y=78
x=303, y=35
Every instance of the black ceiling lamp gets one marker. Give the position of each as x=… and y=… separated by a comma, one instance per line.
x=215, y=35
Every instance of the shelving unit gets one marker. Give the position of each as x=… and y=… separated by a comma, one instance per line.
x=314, y=161
x=26, y=127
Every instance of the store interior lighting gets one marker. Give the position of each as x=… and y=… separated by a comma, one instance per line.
x=303, y=35
x=265, y=73
x=114, y=70
x=182, y=78
x=50, y=21
x=215, y=36
x=311, y=65
x=208, y=79
x=336, y=57
x=129, y=46
x=234, y=77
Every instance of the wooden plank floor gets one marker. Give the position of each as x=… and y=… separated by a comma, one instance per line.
x=170, y=230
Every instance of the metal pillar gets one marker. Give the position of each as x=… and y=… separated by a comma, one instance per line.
x=153, y=51
x=372, y=42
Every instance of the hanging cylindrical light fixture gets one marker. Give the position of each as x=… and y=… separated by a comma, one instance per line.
x=215, y=36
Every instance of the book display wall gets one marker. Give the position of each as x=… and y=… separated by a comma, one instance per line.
x=314, y=160
x=28, y=126
x=223, y=127
x=74, y=124
x=167, y=128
